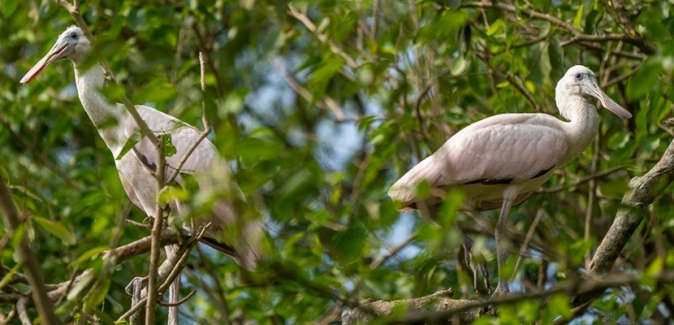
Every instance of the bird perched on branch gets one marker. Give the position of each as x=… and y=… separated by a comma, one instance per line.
x=501, y=160
x=136, y=156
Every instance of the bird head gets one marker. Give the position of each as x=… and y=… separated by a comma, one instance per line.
x=581, y=81
x=72, y=44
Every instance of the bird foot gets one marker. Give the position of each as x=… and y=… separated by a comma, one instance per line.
x=135, y=285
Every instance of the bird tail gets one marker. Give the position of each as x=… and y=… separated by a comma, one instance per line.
x=242, y=231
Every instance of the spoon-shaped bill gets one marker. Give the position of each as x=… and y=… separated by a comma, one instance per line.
x=59, y=51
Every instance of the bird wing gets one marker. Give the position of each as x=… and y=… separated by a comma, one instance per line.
x=211, y=172
x=500, y=149
x=182, y=136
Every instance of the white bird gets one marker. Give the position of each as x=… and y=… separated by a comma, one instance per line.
x=228, y=232
x=501, y=160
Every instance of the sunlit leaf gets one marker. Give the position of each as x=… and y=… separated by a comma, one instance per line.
x=56, y=229
x=129, y=144
x=169, y=147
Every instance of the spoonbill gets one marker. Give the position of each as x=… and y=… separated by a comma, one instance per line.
x=501, y=160
x=228, y=232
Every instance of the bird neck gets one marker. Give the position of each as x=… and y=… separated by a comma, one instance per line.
x=582, y=126
x=107, y=118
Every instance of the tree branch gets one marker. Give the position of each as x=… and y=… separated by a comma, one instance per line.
x=27, y=258
x=325, y=102
x=578, y=36
x=642, y=192
x=439, y=306
x=302, y=17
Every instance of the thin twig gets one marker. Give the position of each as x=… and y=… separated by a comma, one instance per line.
x=302, y=17
x=375, y=11
x=41, y=156
x=582, y=180
x=21, y=310
x=623, y=76
x=179, y=302
x=530, y=233
x=68, y=286
x=578, y=36
x=135, y=308
x=220, y=301
x=591, y=198
x=325, y=102
x=87, y=316
x=393, y=251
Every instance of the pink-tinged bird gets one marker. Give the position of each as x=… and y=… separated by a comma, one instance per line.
x=228, y=232
x=136, y=166
x=501, y=160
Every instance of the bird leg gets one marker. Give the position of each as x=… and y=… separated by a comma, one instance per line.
x=502, y=287
x=475, y=265
x=135, y=287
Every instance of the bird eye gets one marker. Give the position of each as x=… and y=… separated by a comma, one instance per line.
x=579, y=76
x=74, y=35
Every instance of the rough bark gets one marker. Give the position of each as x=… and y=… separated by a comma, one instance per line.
x=406, y=310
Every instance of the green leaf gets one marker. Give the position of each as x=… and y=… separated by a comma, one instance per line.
x=590, y=21
x=113, y=92
x=327, y=70
x=495, y=27
x=116, y=25
x=56, y=229
x=503, y=84
x=423, y=189
x=459, y=65
x=449, y=208
x=129, y=144
x=158, y=90
x=579, y=16
x=8, y=7
x=17, y=236
x=233, y=103
x=349, y=243
x=96, y=296
x=556, y=62
x=8, y=277
x=618, y=140
x=169, y=148
x=88, y=255
x=443, y=25
x=643, y=80
x=171, y=193
x=26, y=192
x=558, y=306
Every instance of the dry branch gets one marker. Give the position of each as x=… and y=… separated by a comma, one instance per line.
x=642, y=192
x=116, y=255
x=438, y=306
x=578, y=36
x=402, y=310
